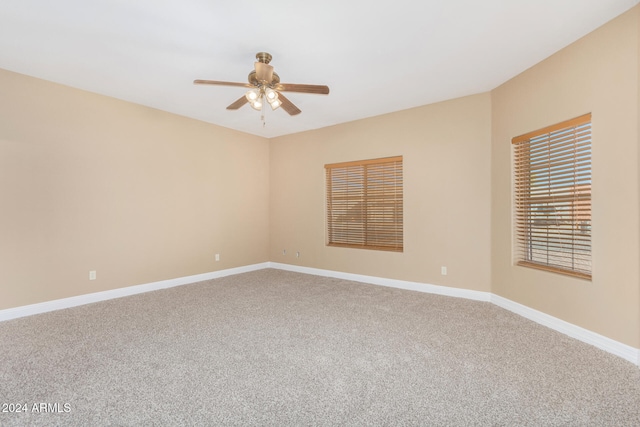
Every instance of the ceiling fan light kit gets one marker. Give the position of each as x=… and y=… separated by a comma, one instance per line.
x=264, y=85
x=256, y=96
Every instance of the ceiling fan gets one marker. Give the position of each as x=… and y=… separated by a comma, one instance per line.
x=264, y=86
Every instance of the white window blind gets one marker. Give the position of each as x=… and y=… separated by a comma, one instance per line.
x=553, y=197
x=364, y=204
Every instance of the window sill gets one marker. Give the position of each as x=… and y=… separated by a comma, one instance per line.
x=583, y=276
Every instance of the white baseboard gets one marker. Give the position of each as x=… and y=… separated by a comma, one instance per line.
x=607, y=344
x=619, y=349
x=59, y=304
x=393, y=283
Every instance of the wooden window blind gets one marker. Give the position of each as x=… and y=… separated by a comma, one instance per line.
x=364, y=204
x=553, y=198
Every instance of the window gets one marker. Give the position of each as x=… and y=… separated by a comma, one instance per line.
x=364, y=204
x=553, y=198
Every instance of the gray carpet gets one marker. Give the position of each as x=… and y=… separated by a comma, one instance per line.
x=276, y=348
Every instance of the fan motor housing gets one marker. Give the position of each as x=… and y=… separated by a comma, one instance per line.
x=254, y=80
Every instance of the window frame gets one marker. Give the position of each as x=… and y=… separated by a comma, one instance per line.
x=364, y=204
x=559, y=158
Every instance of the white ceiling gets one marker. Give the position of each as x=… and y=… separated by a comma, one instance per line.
x=375, y=57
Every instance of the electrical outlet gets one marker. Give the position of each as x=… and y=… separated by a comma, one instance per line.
x=284, y=252
x=443, y=270
x=92, y=275
x=217, y=257
x=297, y=254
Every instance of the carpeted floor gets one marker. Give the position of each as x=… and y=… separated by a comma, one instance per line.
x=275, y=348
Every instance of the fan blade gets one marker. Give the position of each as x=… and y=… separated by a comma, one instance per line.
x=288, y=105
x=291, y=87
x=214, y=82
x=264, y=72
x=239, y=103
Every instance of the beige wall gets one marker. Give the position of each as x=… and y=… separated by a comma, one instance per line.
x=447, y=193
x=597, y=74
x=93, y=183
